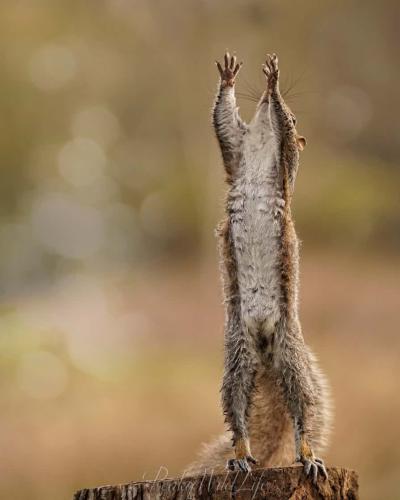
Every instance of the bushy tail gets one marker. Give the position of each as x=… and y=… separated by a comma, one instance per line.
x=212, y=457
x=322, y=424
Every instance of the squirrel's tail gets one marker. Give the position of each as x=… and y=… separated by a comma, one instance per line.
x=323, y=413
x=212, y=458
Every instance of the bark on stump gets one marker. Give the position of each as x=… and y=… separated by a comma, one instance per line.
x=286, y=483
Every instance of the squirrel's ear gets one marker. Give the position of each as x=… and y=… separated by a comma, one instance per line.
x=301, y=142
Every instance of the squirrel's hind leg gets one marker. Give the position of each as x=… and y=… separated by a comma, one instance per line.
x=237, y=388
x=240, y=361
x=302, y=396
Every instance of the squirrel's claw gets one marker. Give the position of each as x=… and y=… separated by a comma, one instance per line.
x=238, y=465
x=314, y=467
x=241, y=464
x=251, y=459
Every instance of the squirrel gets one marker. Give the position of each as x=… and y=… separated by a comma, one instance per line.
x=274, y=396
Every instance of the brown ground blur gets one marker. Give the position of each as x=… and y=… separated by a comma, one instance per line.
x=111, y=316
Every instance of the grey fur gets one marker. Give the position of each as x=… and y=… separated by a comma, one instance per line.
x=273, y=391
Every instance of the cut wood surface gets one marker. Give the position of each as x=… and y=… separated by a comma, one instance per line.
x=272, y=484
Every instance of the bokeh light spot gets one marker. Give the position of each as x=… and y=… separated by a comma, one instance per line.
x=67, y=227
x=52, y=67
x=97, y=123
x=81, y=161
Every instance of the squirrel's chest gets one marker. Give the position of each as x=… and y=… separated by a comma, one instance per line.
x=256, y=200
x=255, y=207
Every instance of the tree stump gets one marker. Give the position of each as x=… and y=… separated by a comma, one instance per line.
x=286, y=483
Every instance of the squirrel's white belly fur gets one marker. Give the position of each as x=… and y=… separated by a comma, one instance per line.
x=256, y=201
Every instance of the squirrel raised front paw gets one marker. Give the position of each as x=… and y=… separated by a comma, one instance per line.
x=271, y=71
x=229, y=73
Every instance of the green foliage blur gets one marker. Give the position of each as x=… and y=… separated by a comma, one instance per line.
x=112, y=184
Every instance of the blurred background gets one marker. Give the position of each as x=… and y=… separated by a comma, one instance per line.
x=111, y=313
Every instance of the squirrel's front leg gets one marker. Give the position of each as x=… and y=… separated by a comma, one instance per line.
x=280, y=113
x=282, y=119
x=228, y=126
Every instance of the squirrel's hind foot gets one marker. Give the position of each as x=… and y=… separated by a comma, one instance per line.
x=241, y=464
x=314, y=468
x=243, y=457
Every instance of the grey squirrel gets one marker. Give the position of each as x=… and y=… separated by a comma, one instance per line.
x=274, y=396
